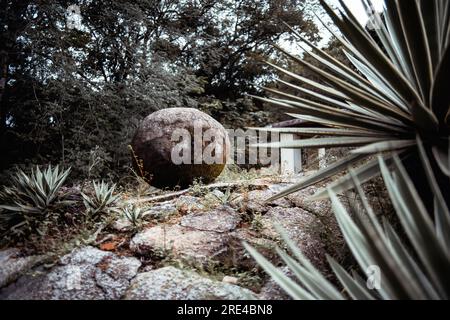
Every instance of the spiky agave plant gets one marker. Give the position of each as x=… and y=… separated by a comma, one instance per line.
x=399, y=92
x=135, y=215
x=397, y=106
x=404, y=273
x=30, y=198
x=102, y=201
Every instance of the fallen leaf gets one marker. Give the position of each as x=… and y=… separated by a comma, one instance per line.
x=109, y=246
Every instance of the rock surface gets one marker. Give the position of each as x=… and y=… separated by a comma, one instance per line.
x=85, y=274
x=188, y=230
x=153, y=144
x=169, y=283
x=13, y=265
x=301, y=227
x=181, y=242
x=216, y=235
x=222, y=219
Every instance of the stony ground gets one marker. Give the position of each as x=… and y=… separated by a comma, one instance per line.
x=191, y=248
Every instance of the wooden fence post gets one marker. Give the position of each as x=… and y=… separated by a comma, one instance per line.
x=291, y=159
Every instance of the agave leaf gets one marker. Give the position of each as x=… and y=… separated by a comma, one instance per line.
x=10, y=208
x=446, y=26
x=320, y=143
x=20, y=208
x=321, y=175
x=322, y=97
x=384, y=146
x=333, y=62
x=370, y=90
x=352, y=115
x=322, y=121
x=442, y=159
x=430, y=14
x=322, y=131
x=422, y=115
x=88, y=201
x=364, y=173
x=442, y=218
x=394, y=268
x=318, y=277
x=413, y=268
x=356, y=94
x=329, y=90
x=440, y=98
x=370, y=250
x=373, y=54
x=380, y=92
x=293, y=289
x=383, y=33
x=354, y=289
x=347, y=45
x=343, y=119
x=368, y=209
x=417, y=44
x=308, y=280
x=102, y=200
x=418, y=225
x=352, y=234
x=376, y=81
x=395, y=30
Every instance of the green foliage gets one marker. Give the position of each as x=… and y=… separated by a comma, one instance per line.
x=128, y=59
x=102, y=201
x=30, y=199
x=419, y=272
x=257, y=223
x=397, y=93
x=198, y=188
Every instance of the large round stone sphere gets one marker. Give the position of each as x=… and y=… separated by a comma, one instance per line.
x=176, y=146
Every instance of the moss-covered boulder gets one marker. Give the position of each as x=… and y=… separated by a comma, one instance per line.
x=176, y=146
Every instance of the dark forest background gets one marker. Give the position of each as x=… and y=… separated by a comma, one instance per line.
x=74, y=96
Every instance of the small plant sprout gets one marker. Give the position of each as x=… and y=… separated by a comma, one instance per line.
x=135, y=215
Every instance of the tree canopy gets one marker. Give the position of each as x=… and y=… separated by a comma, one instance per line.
x=78, y=76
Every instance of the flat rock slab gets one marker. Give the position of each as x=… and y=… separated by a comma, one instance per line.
x=181, y=242
x=223, y=219
x=170, y=283
x=13, y=264
x=85, y=274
